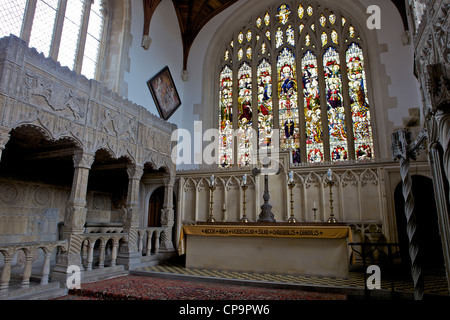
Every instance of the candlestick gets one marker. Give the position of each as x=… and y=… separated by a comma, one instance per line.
x=292, y=218
x=244, y=216
x=315, y=209
x=332, y=218
x=211, y=217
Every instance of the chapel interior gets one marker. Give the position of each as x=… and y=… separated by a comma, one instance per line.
x=224, y=135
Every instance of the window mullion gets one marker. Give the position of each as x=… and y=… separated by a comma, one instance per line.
x=57, y=33
x=83, y=35
x=348, y=113
x=27, y=24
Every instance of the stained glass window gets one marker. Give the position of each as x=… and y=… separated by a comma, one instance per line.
x=226, y=117
x=265, y=104
x=359, y=102
x=315, y=121
x=311, y=102
x=287, y=96
x=335, y=105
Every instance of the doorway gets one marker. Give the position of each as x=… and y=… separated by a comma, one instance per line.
x=154, y=208
x=430, y=254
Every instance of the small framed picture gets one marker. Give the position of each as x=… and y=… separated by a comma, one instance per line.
x=164, y=93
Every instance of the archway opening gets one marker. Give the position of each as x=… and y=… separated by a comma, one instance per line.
x=154, y=207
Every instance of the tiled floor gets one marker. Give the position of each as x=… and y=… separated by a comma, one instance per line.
x=434, y=285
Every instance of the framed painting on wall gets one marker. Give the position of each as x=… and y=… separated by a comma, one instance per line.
x=164, y=93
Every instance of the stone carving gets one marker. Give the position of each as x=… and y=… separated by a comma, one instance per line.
x=36, y=89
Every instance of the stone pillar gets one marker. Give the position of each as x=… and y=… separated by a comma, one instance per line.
x=167, y=215
x=27, y=270
x=129, y=254
x=46, y=268
x=114, y=252
x=75, y=216
x=6, y=274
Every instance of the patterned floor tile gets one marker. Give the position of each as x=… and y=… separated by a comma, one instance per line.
x=433, y=284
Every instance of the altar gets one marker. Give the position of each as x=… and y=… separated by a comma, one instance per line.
x=309, y=250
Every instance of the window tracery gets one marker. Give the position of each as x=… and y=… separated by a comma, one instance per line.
x=306, y=62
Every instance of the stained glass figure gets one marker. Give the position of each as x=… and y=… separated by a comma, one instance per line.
x=322, y=20
x=311, y=98
x=334, y=37
x=283, y=13
x=279, y=37
x=301, y=11
x=335, y=106
x=258, y=22
x=249, y=53
x=307, y=40
x=264, y=48
x=324, y=39
x=351, y=32
x=248, y=35
x=267, y=19
x=290, y=37
x=287, y=103
x=240, y=37
x=332, y=18
x=265, y=104
x=245, y=119
x=359, y=102
x=226, y=117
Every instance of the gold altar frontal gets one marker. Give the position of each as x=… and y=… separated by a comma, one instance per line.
x=311, y=250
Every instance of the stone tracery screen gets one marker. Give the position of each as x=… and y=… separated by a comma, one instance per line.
x=305, y=64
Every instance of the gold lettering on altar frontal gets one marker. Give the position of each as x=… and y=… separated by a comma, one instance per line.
x=324, y=232
x=260, y=232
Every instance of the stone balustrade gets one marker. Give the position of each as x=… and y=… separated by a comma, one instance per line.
x=29, y=249
x=147, y=235
x=89, y=241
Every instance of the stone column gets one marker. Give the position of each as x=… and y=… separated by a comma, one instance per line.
x=129, y=254
x=167, y=215
x=46, y=268
x=6, y=274
x=404, y=149
x=75, y=216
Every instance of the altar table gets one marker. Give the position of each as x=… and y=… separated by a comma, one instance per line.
x=300, y=250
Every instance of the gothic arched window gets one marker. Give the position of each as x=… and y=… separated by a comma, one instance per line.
x=298, y=68
x=68, y=31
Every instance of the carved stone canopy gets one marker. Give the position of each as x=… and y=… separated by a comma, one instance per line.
x=439, y=86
